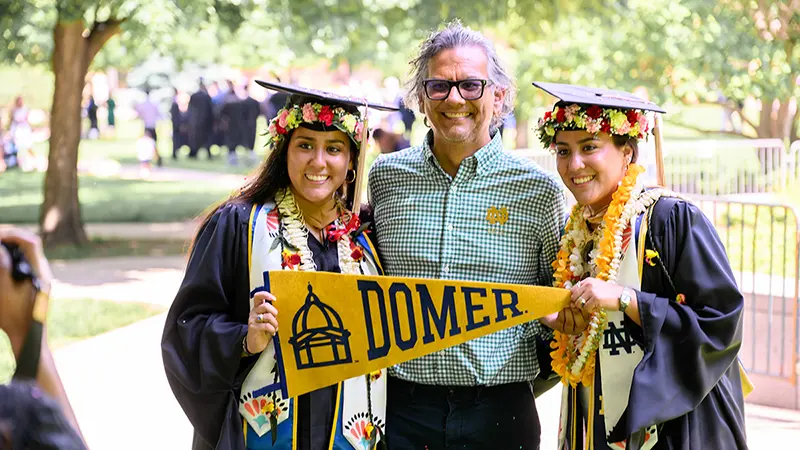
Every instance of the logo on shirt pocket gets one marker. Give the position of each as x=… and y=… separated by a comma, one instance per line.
x=496, y=218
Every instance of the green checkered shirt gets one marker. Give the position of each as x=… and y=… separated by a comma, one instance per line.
x=432, y=225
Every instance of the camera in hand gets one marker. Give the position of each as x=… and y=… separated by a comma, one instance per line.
x=21, y=270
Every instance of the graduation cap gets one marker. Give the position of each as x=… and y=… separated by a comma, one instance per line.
x=353, y=191
x=323, y=95
x=568, y=94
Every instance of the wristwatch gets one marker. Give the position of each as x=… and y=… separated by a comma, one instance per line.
x=625, y=299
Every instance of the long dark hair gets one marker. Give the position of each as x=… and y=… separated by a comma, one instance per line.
x=273, y=174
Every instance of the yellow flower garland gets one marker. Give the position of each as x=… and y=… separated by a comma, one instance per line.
x=577, y=365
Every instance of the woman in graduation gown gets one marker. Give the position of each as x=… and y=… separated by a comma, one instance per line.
x=657, y=366
x=219, y=348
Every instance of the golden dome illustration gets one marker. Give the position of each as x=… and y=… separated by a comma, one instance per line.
x=318, y=335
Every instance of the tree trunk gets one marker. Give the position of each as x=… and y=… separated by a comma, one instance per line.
x=60, y=216
x=783, y=120
x=765, y=123
x=522, y=133
x=60, y=220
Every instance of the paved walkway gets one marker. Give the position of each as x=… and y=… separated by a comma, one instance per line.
x=117, y=385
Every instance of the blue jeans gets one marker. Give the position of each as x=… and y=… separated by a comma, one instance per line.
x=429, y=417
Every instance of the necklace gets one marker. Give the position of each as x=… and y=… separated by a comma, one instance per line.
x=573, y=357
x=295, y=233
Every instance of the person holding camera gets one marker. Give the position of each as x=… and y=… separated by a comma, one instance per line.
x=32, y=415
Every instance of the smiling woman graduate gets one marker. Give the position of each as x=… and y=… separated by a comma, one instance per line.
x=219, y=348
x=657, y=366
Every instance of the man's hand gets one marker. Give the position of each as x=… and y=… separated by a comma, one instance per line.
x=569, y=321
x=31, y=246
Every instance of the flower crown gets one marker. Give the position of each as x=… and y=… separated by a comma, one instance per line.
x=628, y=122
x=293, y=116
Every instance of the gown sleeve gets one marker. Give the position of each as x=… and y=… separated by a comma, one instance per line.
x=202, y=341
x=688, y=347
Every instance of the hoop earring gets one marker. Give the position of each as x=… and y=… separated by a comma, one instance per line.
x=425, y=121
x=347, y=178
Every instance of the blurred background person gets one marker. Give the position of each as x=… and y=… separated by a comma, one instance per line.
x=389, y=141
x=20, y=135
x=149, y=113
x=179, y=115
x=146, y=151
x=111, y=119
x=201, y=121
x=91, y=113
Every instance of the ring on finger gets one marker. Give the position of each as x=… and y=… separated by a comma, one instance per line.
x=260, y=317
x=582, y=301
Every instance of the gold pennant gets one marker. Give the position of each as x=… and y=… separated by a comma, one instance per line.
x=334, y=327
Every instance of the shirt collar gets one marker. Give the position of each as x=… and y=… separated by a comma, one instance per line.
x=482, y=159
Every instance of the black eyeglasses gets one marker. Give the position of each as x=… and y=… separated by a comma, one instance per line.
x=469, y=89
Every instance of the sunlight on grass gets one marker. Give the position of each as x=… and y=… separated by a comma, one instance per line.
x=111, y=200
x=109, y=248
x=73, y=320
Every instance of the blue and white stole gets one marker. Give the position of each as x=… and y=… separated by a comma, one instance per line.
x=262, y=395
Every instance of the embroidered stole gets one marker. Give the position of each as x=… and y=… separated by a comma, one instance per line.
x=262, y=404
x=617, y=356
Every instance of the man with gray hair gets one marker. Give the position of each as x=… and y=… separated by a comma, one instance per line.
x=459, y=207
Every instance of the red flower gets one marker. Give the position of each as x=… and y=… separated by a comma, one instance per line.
x=326, y=115
x=357, y=254
x=561, y=115
x=280, y=129
x=594, y=111
x=605, y=127
x=633, y=117
x=548, y=115
x=335, y=233
x=290, y=260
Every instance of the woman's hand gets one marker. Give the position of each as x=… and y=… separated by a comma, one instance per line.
x=262, y=323
x=592, y=294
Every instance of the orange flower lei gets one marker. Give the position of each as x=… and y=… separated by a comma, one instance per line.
x=574, y=360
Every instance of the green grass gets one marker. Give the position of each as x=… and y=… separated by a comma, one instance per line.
x=111, y=200
x=757, y=239
x=72, y=320
x=108, y=248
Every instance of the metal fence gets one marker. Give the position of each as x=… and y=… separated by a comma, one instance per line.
x=763, y=245
x=762, y=239
x=725, y=167
x=716, y=167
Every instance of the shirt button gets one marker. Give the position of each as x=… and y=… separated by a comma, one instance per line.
x=446, y=268
x=450, y=227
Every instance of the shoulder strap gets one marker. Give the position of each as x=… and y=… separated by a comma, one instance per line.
x=366, y=243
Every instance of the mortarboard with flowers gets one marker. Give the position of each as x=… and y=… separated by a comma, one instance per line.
x=292, y=116
x=592, y=118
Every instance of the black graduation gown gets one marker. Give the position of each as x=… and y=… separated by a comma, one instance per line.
x=250, y=112
x=688, y=381
x=201, y=117
x=202, y=341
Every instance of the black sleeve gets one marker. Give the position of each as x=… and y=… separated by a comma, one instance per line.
x=201, y=346
x=688, y=347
